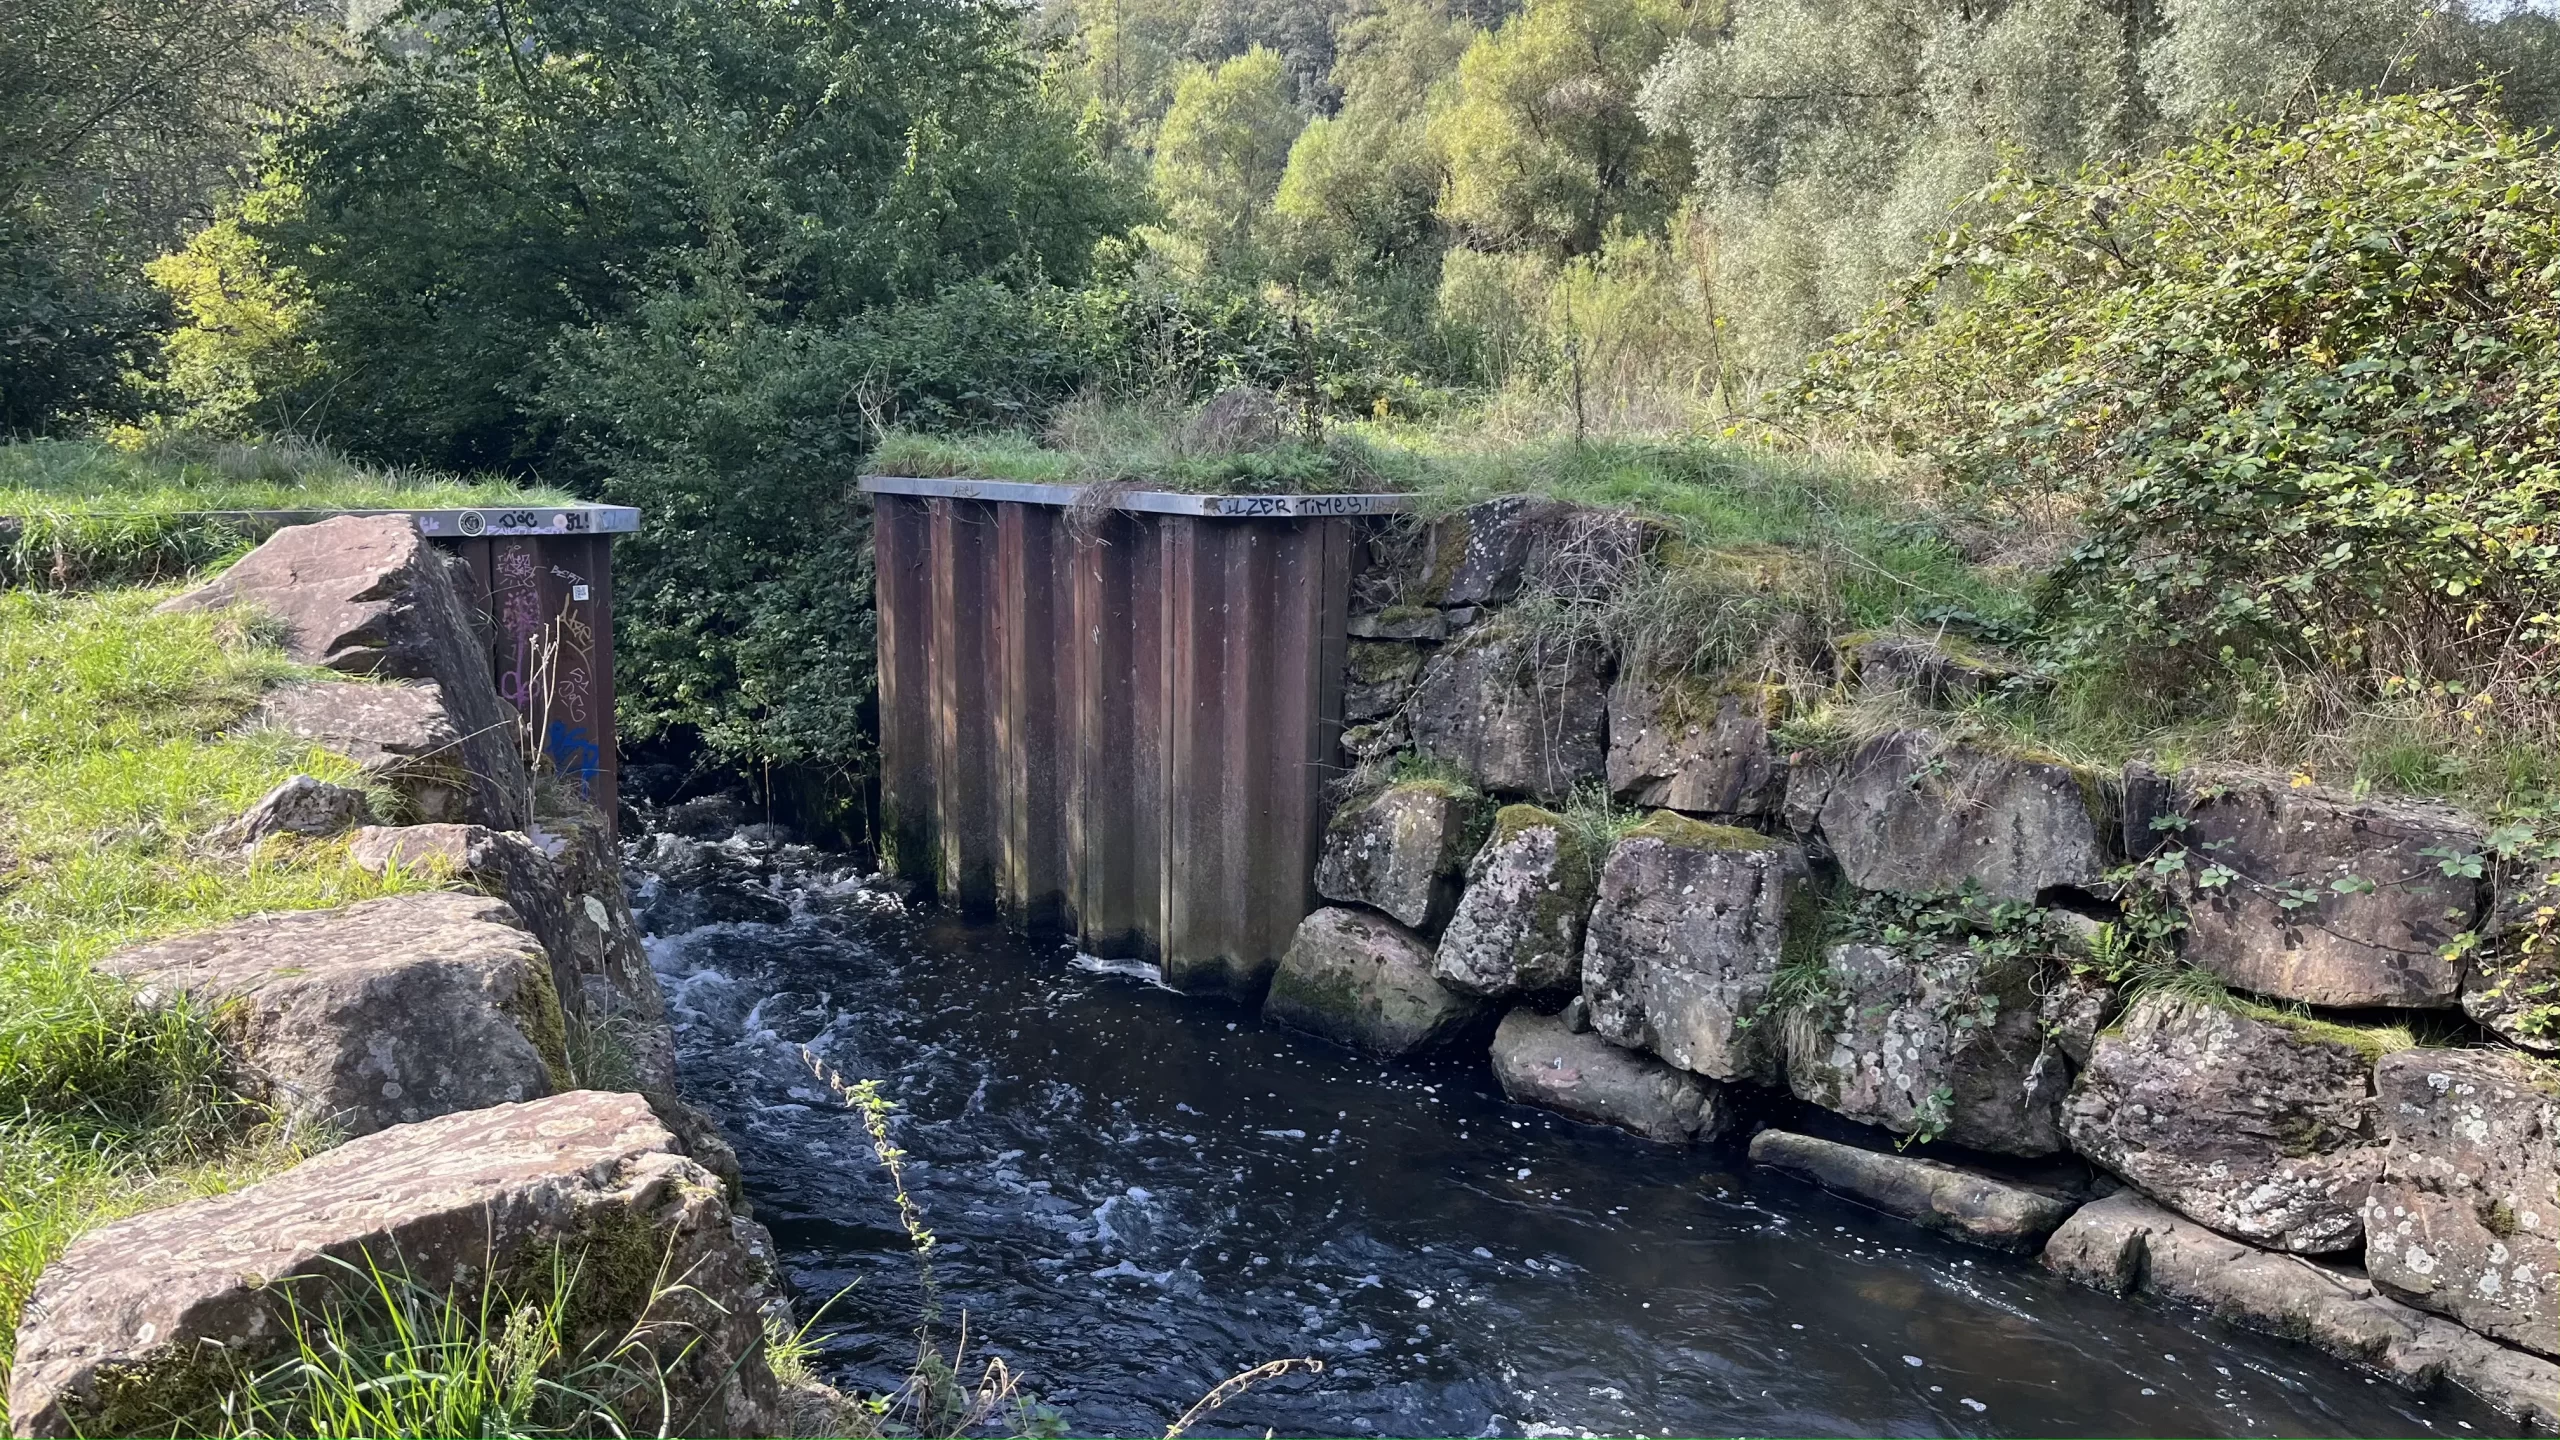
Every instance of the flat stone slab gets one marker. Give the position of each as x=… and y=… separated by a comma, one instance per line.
x=1930, y=1193
x=142, y=1322
x=1541, y=1061
x=377, y=1014
x=2126, y=1244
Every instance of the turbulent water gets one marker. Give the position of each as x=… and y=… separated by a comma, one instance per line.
x=1137, y=1194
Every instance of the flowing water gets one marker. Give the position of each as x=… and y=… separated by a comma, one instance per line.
x=1137, y=1194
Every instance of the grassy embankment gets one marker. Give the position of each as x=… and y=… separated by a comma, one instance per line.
x=116, y=758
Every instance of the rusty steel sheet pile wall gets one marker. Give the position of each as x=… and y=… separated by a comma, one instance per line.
x=1113, y=724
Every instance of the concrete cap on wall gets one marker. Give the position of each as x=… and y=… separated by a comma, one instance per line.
x=1150, y=502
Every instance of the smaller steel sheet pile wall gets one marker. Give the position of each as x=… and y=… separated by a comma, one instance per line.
x=1111, y=725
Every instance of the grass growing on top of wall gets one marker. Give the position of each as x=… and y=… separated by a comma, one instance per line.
x=113, y=768
x=76, y=512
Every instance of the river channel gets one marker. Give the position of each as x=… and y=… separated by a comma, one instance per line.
x=1137, y=1194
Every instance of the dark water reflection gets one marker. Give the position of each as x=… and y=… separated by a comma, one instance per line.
x=1138, y=1194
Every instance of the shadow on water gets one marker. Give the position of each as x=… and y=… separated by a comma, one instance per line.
x=1138, y=1194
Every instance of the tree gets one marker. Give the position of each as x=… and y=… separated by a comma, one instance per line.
x=1362, y=189
x=1542, y=138
x=1219, y=158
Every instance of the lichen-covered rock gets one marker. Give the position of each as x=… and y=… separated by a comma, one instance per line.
x=2513, y=983
x=2126, y=1244
x=1377, y=677
x=1938, y=670
x=1540, y=1061
x=399, y=731
x=1945, y=1044
x=1692, y=923
x=300, y=806
x=1912, y=813
x=2259, y=1126
x=1518, y=927
x=2466, y=1218
x=144, y=1324
x=1400, y=622
x=378, y=1014
x=1488, y=553
x=1403, y=852
x=1930, y=1193
x=367, y=595
x=2075, y=1006
x=1515, y=713
x=1365, y=981
x=2308, y=896
x=1683, y=745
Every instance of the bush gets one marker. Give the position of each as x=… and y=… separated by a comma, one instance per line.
x=2305, y=382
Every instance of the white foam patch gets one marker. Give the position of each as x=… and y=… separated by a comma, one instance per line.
x=1138, y=970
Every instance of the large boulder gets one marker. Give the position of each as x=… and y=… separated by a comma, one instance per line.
x=1403, y=852
x=2304, y=895
x=1518, y=927
x=2126, y=1244
x=2466, y=1217
x=400, y=732
x=1947, y=1043
x=1912, y=813
x=377, y=1014
x=1514, y=711
x=1488, y=553
x=1930, y=1193
x=367, y=595
x=145, y=1324
x=2261, y=1126
x=1692, y=924
x=2513, y=984
x=1365, y=981
x=1542, y=1062
x=1685, y=745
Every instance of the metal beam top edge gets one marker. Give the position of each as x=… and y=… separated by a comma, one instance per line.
x=468, y=524
x=1152, y=502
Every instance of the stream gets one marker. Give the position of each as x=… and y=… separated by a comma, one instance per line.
x=1137, y=1194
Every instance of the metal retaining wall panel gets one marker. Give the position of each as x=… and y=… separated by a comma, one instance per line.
x=1113, y=724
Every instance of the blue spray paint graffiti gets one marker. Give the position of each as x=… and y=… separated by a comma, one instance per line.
x=574, y=753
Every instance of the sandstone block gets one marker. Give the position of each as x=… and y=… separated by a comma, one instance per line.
x=1365, y=981
x=1929, y=1193
x=1945, y=1044
x=2124, y=1244
x=1518, y=927
x=1541, y=1061
x=2262, y=1128
x=1702, y=749
x=399, y=732
x=1514, y=713
x=2254, y=846
x=138, y=1328
x=1689, y=931
x=300, y=806
x=378, y=1014
x=1404, y=852
x=367, y=595
x=1916, y=815
x=2466, y=1218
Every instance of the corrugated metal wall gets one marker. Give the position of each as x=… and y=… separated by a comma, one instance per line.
x=1112, y=725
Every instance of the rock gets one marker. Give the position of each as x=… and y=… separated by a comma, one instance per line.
x=2466, y=1218
x=1403, y=852
x=1809, y=782
x=2261, y=1127
x=366, y=595
x=2357, y=949
x=1366, y=982
x=1374, y=742
x=1917, y=815
x=1576, y=1015
x=1401, y=622
x=707, y=817
x=1929, y=1193
x=1518, y=928
x=1377, y=677
x=1240, y=417
x=1943, y=1044
x=1678, y=743
x=300, y=806
x=2513, y=985
x=1691, y=925
x=379, y=1014
x=2124, y=1244
x=1488, y=553
x=400, y=732
x=141, y=1326
x=1934, y=670
x=1542, y=1062
x=1515, y=714
x=2075, y=1006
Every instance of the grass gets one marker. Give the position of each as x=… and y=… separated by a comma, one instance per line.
x=113, y=766
x=77, y=512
